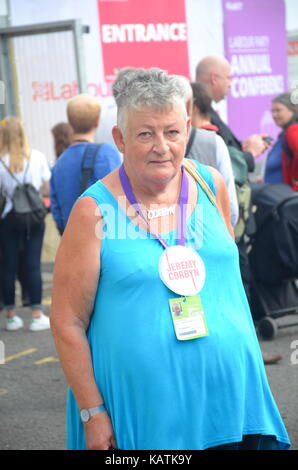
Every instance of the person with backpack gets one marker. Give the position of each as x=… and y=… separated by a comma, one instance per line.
x=204, y=144
x=231, y=162
x=208, y=147
x=215, y=73
x=24, y=175
x=83, y=162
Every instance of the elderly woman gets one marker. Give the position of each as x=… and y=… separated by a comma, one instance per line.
x=142, y=239
x=282, y=161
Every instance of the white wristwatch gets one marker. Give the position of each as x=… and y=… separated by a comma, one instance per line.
x=86, y=414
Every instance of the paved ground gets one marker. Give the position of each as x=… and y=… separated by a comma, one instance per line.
x=33, y=388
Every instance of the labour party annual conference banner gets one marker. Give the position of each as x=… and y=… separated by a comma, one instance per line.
x=143, y=34
x=256, y=47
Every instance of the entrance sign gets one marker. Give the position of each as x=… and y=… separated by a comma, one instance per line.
x=143, y=34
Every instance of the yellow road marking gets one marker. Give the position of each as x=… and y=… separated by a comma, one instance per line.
x=47, y=301
x=46, y=359
x=23, y=353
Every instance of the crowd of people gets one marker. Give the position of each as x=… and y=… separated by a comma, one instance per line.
x=135, y=369
x=20, y=165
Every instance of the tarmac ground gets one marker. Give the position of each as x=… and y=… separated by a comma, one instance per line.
x=33, y=388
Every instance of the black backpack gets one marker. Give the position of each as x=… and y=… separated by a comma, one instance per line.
x=274, y=246
x=28, y=209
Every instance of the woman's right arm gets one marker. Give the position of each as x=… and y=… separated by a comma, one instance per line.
x=75, y=282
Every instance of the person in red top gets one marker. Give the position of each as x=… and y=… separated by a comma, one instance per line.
x=290, y=150
x=282, y=161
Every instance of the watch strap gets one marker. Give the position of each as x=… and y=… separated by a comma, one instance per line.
x=97, y=409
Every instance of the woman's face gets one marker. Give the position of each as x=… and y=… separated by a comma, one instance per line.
x=281, y=114
x=154, y=142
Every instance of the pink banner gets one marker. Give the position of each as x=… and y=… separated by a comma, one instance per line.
x=256, y=47
x=143, y=34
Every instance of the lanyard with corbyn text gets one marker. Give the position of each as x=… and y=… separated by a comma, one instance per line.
x=180, y=268
x=183, y=200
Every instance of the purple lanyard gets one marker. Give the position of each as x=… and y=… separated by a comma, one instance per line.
x=183, y=200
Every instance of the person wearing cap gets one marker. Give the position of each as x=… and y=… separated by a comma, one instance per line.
x=282, y=161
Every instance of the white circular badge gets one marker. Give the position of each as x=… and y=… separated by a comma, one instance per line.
x=182, y=270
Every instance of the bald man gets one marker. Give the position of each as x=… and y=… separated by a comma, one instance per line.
x=215, y=73
x=82, y=163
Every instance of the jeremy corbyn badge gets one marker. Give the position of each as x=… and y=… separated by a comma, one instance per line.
x=182, y=270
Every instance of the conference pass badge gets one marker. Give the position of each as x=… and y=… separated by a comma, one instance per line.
x=188, y=317
x=183, y=271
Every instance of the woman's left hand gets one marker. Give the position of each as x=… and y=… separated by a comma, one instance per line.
x=99, y=433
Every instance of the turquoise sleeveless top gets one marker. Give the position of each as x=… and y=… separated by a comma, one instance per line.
x=162, y=393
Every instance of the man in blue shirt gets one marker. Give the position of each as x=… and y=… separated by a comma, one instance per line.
x=83, y=113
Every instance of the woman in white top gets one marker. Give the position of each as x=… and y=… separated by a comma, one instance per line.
x=21, y=165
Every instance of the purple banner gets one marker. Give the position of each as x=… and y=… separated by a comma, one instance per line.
x=255, y=41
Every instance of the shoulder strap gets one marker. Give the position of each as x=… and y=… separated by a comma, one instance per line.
x=190, y=141
x=204, y=185
x=88, y=163
x=202, y=147
x=26, y=171
x=11, y=173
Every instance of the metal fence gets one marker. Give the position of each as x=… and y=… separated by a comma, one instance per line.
x=41, y=68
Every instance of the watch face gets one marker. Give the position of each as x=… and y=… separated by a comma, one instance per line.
x=85, y=416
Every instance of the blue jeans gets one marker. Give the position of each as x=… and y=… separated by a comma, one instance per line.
x=17, y=245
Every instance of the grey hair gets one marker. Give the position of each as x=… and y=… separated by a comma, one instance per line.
x=123, y=74
x=185, y=87
x=153, y=87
